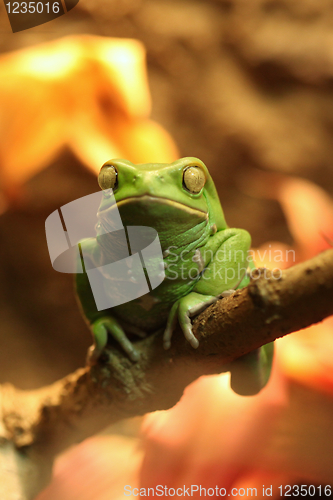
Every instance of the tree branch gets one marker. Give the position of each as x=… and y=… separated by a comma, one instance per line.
x=36, y=425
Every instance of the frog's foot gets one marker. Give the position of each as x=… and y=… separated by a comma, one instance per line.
x=250, y=373
x=185, y=308
x=100, y=329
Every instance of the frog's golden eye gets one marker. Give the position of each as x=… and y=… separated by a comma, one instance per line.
x=194, y=179
x=107, y=178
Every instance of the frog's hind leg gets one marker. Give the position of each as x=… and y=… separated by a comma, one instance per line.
x=250, y=373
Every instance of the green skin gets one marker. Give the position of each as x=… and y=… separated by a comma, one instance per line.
x=203, y=259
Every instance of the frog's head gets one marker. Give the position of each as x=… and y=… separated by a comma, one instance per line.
x=159, y=194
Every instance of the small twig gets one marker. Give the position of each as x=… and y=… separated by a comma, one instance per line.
x=41, y=423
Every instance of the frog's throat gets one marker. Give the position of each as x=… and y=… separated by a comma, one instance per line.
x=154, y=199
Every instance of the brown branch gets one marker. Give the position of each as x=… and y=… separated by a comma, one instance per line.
x=41, y=423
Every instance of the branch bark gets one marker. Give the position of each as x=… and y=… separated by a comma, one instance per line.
x=36, y=425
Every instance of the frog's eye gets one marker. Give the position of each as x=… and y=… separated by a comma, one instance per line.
x=194, y=179
x=107, y=178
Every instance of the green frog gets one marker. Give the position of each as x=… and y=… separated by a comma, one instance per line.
x=202, y=259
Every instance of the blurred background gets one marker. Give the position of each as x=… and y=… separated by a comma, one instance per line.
x=246, y=86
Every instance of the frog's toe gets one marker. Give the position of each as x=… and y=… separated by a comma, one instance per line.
x=185, y=323
x=188, y=333
x=132, y=353
x=198, y=308
x=184, y=309
x=167, y=335
x=226, y=293
x=100, y=336
x=106, y=325
x=120, y=336
x=172, y=319
x=166, y=343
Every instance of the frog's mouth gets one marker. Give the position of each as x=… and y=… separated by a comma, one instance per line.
x=154, y=212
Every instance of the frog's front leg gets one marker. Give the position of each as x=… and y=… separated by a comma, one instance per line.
x=225, y=261
x=101, y=323
x=249, y=373
x=100, y=329
x=183, y=310
x=224, y=272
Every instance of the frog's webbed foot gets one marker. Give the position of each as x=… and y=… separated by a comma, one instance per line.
x=187, y=330
x=100, y=329
x=250, y=373
x=184, y=309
